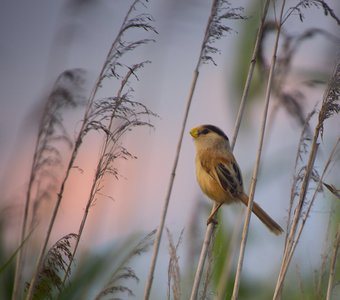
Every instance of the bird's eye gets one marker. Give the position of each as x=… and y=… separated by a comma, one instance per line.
x=204, y=131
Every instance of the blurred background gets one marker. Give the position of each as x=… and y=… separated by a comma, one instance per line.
x=40, y=39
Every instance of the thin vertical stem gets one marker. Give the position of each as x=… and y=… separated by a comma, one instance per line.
x=325, y=254
x=201, y=261
x=160, y=228
x=333, y=263
x=19, y=260
x=257, y=163
x=250, y=73
x=223, y=280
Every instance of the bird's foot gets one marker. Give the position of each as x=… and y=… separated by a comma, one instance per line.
x=212, y=220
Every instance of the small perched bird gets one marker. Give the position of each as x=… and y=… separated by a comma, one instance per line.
x=218, y=173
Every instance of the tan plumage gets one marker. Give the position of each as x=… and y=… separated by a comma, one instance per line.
x=218, y=173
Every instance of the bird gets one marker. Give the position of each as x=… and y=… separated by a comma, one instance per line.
x=219, y=175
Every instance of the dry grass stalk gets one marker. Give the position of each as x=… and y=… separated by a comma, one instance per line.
x=305, y=215
x=49, y=282
x=333, y=264
x=330, y=106
x=5, y=265
x=258, y=157
x=109, y=70
x=174, y=274
x=200, y=266
x=321, y=272
x=298, y=9
x=223, y=281
x=60, y=194
x=123, y=272
x=286, y=96
x=65, y=94
x=129, y=114
x=209, y=270
x=221, y=290
x=332, y=189
x=210, y=229
x=120, y=108
x=253, y=61
x=298, y=177
x=160, y=228
x=215, y=30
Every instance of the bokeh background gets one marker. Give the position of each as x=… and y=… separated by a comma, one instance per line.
x=40, y=39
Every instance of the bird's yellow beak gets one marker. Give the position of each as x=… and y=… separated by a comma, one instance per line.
x=194, y=132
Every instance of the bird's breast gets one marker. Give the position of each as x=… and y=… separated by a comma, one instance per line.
x=211, y=187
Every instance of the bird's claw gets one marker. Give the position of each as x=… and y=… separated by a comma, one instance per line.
x=212, y=220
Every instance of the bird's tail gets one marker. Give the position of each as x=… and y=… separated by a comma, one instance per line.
x=263, y=216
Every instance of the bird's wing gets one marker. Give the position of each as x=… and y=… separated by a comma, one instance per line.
x=225, y=171
x=229, y=175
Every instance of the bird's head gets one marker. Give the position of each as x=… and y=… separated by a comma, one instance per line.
x=208, y=136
